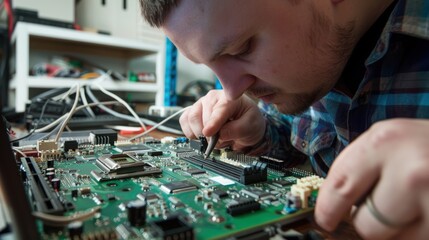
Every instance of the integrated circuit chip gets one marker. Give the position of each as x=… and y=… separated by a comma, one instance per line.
x=195, y=171
x=218, y=193
x=133, y=147
x=174, y=168
x=255, y=193
x=174, y=227
x=177, y=187
x=284, y=182
x=183, y=152
x=148, y=197
x=117, y=166
x=242, y=206
x=155, y=153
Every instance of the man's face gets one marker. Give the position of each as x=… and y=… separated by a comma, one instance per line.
x=284, y=52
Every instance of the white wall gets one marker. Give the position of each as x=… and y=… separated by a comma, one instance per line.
x=60, y=10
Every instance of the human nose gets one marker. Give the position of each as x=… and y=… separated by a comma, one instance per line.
x=234, y=79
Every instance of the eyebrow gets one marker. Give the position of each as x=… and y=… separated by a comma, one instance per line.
x=225, y=43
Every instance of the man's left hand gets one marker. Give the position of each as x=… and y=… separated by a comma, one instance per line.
x=389, y=166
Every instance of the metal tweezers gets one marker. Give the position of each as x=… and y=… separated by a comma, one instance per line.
x=212, y=143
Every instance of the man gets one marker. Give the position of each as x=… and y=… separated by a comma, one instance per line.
x=337, y=79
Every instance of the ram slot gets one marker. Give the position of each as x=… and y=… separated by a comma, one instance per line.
x=42, y=195
x=245, y=175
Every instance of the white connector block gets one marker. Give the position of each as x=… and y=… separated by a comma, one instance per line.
x=167, y=140
x=305, y=186
x=46, y=145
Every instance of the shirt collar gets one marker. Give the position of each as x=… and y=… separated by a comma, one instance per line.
x=410, y=17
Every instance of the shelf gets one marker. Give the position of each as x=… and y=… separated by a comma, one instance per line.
x=30, y=38
x=62, y=39
x=54, y=45
x=48, y=82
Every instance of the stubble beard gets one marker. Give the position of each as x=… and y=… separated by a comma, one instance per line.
x=327, y=69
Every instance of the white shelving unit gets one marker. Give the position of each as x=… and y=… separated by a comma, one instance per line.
x=28, y=36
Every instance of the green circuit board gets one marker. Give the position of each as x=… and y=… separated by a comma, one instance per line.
x=159, y=190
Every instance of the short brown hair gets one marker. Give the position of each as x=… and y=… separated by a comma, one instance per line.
x=156, y=11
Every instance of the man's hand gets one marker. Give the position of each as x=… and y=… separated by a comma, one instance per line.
x=390, y=164
x=240, y=122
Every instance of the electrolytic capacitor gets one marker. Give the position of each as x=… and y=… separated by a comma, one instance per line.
x=136, y=212
x=56, y=184
x=75, y=229
x=50, y=176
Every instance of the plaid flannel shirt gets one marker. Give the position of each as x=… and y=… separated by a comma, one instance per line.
x=396, y=84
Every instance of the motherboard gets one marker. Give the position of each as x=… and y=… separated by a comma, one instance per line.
x=160, y=189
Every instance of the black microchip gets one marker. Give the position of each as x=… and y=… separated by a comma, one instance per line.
x=153, y=142
x=283, y=183
x=242, y=206
x=155, y=153
x=69, y=206
x=104, y=136
x=136, y=147
x=74, y=193
x=70, y=145
x=174, y=227
x=199, y=144
x=218, y=193
x=195, y=171
x=176, y=187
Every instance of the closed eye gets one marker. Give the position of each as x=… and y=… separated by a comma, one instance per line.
x=246, y=49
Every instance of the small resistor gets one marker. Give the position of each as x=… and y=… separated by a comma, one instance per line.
x=198, y=198
x=208, y=206
x=56, y=184
x=85, y=191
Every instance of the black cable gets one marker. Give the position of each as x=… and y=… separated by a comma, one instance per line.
x=6, y=123
x=50, y=93
x=4, y=68
x=45, y=96
x=34, y=102
x=37, y=124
